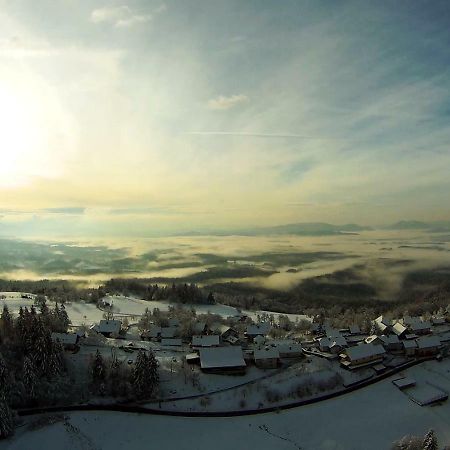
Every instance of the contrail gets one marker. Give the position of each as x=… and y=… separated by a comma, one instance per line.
x=263, y=135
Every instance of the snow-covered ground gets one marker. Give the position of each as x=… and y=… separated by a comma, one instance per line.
x=14, y=301
x=369, y=419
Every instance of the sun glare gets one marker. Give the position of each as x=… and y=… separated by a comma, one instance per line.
x=20, y=139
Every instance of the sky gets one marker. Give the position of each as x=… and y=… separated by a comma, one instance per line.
x=135, y=117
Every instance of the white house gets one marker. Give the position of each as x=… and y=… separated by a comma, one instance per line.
x=108, y=327
x=222, y=360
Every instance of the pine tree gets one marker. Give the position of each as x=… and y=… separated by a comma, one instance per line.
x=153, y=379
x=6, y=419
x=98, y=369
x=4, y=378
x=29, y=376
x=430, y=441
x=7, y=323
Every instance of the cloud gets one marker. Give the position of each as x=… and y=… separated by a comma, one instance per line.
x=66, y=210
x=222, y=103
x=119, y=16
x=262, y=135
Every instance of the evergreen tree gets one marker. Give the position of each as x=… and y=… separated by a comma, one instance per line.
x=210, y=300
x=98, y=371
x=29, y=376
x=4, y=378
x=430, y=441
x=145, y=375
x=7, y=323
x=6, y=419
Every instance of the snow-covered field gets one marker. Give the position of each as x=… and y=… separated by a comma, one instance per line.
x=367, y=419
x=14, y=301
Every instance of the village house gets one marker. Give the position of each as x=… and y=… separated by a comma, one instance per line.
x=373, y=339
x=171, y=342
x=226, y=333
x=200, y=328
x=416, y=325
x=391, y=342
x=202, y=341
x=428, y=345
x=259, y=329
x=154, y=332
x=69, y=341
x=354, y=329
x=409, y=347
x=288, y=348
x=399, y=329
x=169, y=332
x=108, y=328
x=266, y=357
x=438, y=321
x=324, y=344
x=362, y=355
x=383, y=324
x=222, y=360
x=338, y=344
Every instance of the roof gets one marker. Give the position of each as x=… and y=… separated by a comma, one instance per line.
x=173, y=322
x=199, y=327
x=168, y=332
x=221, y=357
x=324, y=342
x=438, y=320
x=390, y=339
x=153, y=332
x=339, y=340
x=332, y=333
x=267, y=352
x=220, y=328
x=259, y=328
x=259, y=339
x=371, y=339
x=171, y=342
x=417, y=326
x=65, y=338
x=364, y=351
x=428, y=342
x=398, y=328
x=409, y=344
x=205, y=341
x=109, y=326
x=402, y=383
x=354, y=329
x=289, y=348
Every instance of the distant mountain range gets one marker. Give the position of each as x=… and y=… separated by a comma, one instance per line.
x=323, y=229
x=435, y=227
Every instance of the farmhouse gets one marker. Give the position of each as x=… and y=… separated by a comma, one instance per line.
x=428, y=345
x=383, y=324
x=399, y=329
x=171, y=342
x=409, y=347
x=68, y=340
x=108, y=327
x=391, y=342
x=260, y=329
x=222, y=360
x=266, y=357
x=361, y=355
x=205, y=341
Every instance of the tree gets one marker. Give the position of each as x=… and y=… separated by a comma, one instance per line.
x=430, y=441
x=145, y=374
x=7, y=323
x=4, y=378
x=98, y=371
x=210, y=299
x=6, y=419
x=29, y=376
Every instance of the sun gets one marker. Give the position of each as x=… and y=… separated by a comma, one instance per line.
x=20, y=136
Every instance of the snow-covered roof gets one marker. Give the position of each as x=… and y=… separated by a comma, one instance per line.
x=221, y=357
x=219, y=328
x=371, y=339
x=382, y=323
x=153, y=332
x=109, y=326
x=266, y=352
x=338, y=340
x=409, y=344
x=389, y=339
x=398, y=328
x=418, y=326
x=65, y=338
x=364, y=351
x=261, y=328
x=332, y=332
x=289, y=348
x=173, y=322
x=405, y=382
x=259, y=339
x=171, y=342
x=324, y=342
x=354, y=329
x=205, y=341
x=168, y=332
x=199, y=327
x=428, y=342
